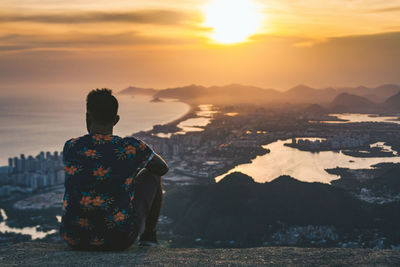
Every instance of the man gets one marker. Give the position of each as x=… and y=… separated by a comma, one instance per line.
x=113, y=189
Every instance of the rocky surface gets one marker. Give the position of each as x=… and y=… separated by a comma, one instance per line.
x=47, y=254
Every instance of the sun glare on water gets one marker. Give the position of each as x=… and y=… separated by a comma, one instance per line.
x=232, y=21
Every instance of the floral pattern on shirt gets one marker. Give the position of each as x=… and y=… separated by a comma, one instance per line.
x=99, y=139
x=91, y=200
x=99, y=188
x=71, y=169
x=101, y=172
x=90, y=153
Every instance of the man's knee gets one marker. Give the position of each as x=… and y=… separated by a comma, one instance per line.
x=147, y=177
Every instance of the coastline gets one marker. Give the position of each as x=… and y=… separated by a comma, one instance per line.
x=41, y=130
x=191, y=113
x=166, y=127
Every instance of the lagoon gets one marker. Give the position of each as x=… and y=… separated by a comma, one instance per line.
x=33, y=231
x=302, y=165
x=354, y=118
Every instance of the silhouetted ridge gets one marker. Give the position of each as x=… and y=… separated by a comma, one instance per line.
x=393, y=102
x=315, y=109
x=388, y=181
x=352, y=103
x=285, y=180
x=306, y=94
x=301, y=88
x=233, y=94
x=388, y=89
x=138, y=91
x=349, y=99
x=236, y=178
x=239, y=209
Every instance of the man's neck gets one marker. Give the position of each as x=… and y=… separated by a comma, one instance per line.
x=101, y=130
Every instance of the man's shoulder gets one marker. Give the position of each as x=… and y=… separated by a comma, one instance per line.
x=76, y=143
x=75, y=140
x=132, y=140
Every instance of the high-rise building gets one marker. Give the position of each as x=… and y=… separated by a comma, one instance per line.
x=43, y=170
x=23, y=162
x=15, y=165
x=10, y=166
x=30, y=166
x=18, y=165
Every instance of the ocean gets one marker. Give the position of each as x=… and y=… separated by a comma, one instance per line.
x=28, y=126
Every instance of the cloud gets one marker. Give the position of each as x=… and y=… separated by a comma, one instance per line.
x=158, y=17
x=12, y=47
x=384, y=10
x=272, y=61
x=77, y=40
x=385, y=39
x=379, y=41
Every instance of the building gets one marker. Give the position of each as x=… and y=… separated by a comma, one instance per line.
x=35, y=172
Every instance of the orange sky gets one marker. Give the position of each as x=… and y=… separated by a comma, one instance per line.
x=55, y=45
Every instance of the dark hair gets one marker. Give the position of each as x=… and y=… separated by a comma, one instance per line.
x=102, y=105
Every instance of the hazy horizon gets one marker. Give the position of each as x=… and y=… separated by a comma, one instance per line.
x=42, y=94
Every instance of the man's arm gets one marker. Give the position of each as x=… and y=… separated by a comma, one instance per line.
x=157, y=165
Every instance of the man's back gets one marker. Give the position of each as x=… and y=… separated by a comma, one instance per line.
x=99, y=188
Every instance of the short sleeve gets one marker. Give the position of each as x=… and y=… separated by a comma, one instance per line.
x=64, y=152
x=144, y=153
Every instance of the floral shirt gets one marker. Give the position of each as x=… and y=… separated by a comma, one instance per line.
x=99, y=175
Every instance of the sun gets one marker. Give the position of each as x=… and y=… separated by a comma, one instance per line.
x=232, y=21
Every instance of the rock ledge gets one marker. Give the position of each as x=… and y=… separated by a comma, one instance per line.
x=48, y=254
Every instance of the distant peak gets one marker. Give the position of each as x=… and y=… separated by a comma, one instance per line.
x=285, y=179
x=137, y=90
x=190, y=86
x=354, y=99
x=236, y=178
x=345, y=94
x=394, y=99
x=388, y=86
x=300, y=88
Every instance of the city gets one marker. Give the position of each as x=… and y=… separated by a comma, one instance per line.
x=233, y=135
x=44, y=170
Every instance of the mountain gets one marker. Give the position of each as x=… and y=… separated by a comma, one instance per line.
x=352, y=103
x=305, y=94
x=343, y=99
x=231, y=94
x=250, y=213
x=137, y=91
x=387, y=182
x=378, y=94
x=393, y=102
x=186, y=92
x=237, y=208
x=387, y=90
x=315, y=109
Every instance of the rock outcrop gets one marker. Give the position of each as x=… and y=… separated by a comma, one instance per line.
x=46, y=254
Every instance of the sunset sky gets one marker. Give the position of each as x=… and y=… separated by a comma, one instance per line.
x=52, y=45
